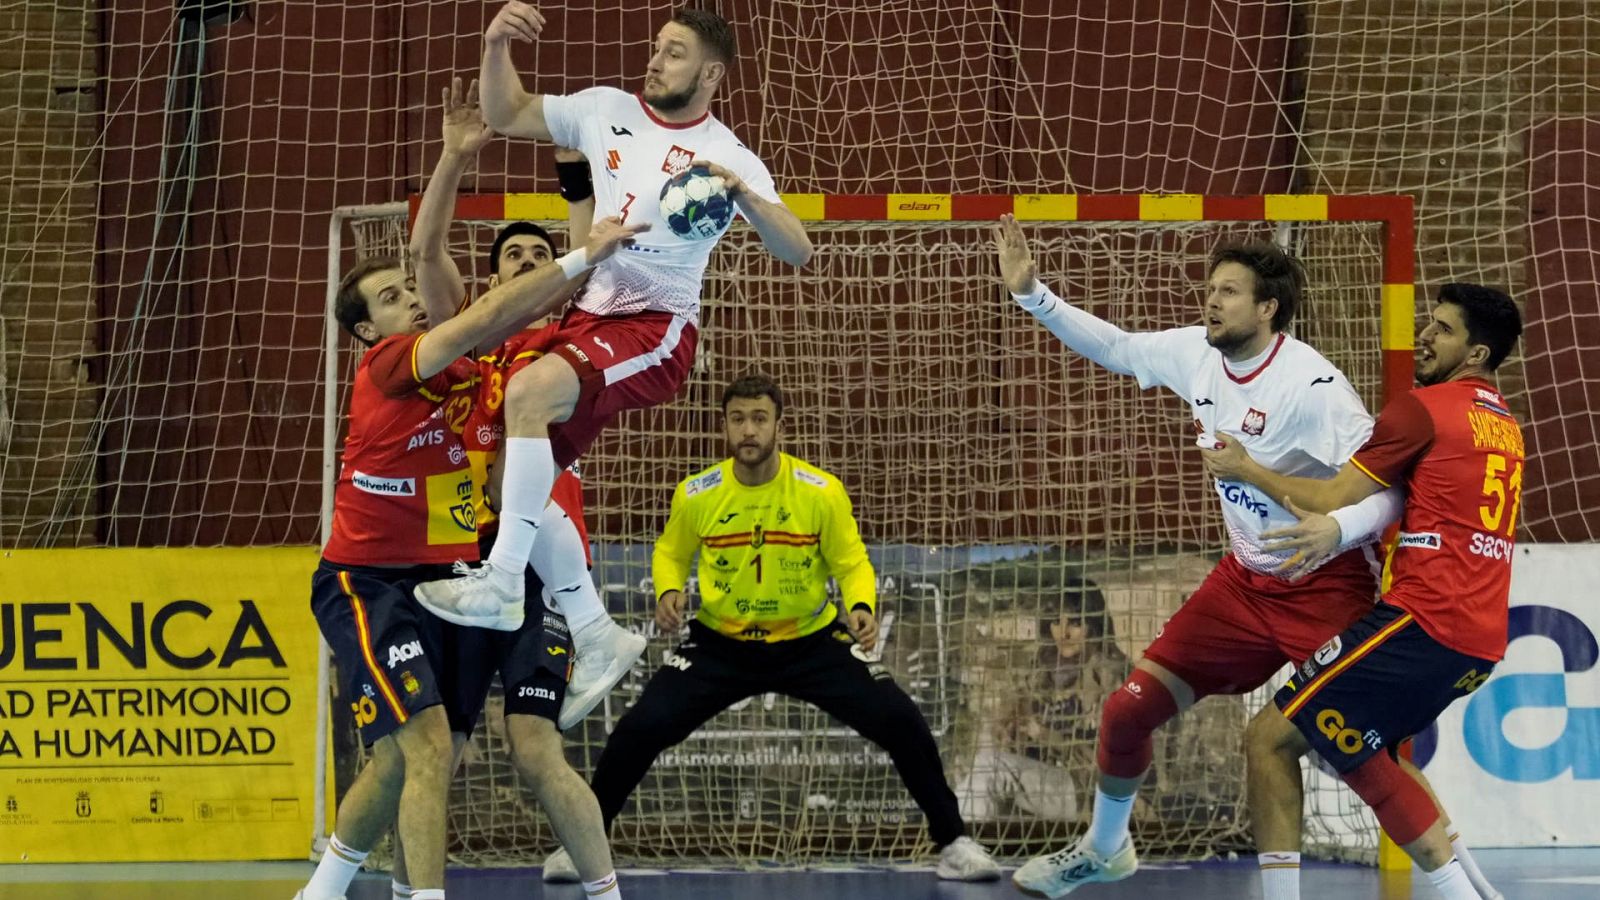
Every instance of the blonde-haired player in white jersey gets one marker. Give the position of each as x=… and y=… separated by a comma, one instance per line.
x=1243, y=376
x=629, y=340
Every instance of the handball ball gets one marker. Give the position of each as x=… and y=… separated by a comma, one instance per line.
x=695, y=204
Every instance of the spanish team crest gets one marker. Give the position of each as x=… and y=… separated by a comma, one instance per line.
x=758, y=538
x=1255, y=422
x=410, y=683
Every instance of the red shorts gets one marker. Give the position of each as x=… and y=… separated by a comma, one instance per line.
x=623, y=362
x=1239, y=627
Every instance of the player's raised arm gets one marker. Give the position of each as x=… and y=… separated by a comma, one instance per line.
x=1082, y=332
x=507, y=106
x=520, y=300
x=782, y=232
x=439, y=281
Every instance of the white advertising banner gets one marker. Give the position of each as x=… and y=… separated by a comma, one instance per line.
x=1517, y=763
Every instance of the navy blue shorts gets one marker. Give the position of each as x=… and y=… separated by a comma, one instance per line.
x=1381, y=681
x=389, y=651
x=533, y=662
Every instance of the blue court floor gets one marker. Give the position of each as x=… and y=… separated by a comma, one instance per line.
x=1519, y=874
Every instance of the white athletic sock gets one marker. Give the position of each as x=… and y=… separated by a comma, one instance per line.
x=1463, y=856
x=606, y=887
x=1109, y=827
x=401, y=890
x=338, y=868
x=530, y=474
x=1280, y=875
x=1452, y=883
x=558, y=557
x=428, y=894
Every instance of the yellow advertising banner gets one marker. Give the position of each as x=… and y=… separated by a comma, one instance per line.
x=157, y=704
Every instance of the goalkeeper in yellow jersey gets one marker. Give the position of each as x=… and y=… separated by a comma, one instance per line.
x=770, y=529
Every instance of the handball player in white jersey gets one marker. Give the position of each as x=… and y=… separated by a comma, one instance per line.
x=1245, y=378
x=628, y=341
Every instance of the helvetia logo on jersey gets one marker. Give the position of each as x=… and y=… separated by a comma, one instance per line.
x=1255, y=422
x=1420, y=540
x=388, y=487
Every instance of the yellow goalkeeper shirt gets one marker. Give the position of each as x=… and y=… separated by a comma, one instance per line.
x=766, y=552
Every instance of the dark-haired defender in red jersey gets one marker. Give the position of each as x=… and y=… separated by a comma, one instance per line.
x=403, y=512
x=1440, y=627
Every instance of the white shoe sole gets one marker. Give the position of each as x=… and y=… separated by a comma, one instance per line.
x=578, y=706
x=502, y=621
x=992, y=874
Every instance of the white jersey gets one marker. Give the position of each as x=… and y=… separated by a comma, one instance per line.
x=632, y=153
x=1293, y=411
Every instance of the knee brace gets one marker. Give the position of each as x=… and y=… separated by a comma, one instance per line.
x=1132, y=712
x=1403, y=808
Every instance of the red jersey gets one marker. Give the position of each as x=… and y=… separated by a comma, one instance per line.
x=405, y=494
x=486, y=428
x=1459, y=453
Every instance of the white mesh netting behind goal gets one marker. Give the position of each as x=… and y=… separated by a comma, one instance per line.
x=1033, y=520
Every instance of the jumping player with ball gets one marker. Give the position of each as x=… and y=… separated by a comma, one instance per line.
x=659, y=158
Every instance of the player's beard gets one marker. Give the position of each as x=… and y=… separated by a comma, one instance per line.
x=763, y=452
x=669, y=102
x=1230, y=342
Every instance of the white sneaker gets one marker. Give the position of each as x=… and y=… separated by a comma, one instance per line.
x=605, y=652
x=1059, y=873
x=964, y=859
x=481, y=597
x=558, y=868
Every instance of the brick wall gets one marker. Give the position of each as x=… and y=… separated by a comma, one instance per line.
x=49, y=118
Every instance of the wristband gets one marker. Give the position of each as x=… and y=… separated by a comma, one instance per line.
x=1029, y=301
x=576, y=184
x=575, y=263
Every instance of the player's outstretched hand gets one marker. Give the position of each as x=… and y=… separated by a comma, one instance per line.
x=669, y=612
x=1016, y=262
x=464, y=132
x=732, y=183
x=1314, y=538
x=864, y=626
x=1226, y=460
x=608, y=234
x=516, y=21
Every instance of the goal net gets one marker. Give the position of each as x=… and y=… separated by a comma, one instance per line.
x=1032, y=519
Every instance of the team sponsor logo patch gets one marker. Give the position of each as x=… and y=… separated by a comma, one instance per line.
x=387, y=487
x=1420, y=540
x=703, y=483
x=457, y=454
x=613, y=160
x=810, y=478
x=1255, y=422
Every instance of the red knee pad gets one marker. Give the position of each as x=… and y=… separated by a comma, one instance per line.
x=1130, y=715
x=1403, y=808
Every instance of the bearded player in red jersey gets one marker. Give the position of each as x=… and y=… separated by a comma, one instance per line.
x=403, y=512
x=1440, y=627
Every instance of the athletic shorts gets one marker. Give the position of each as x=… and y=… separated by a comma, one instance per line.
x=623, y=362
x=1374, y=685
x=390, y=652
x=534, y=662
x=1239, y=627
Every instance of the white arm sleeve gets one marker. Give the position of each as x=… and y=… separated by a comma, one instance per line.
x=1368, y=519
x=1082, y=332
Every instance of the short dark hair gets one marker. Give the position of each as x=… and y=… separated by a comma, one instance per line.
x=1491, y=318
x=349, y=306
x=713, y=30
x=1279, y=276
x=751, y=386
x=513, y=230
